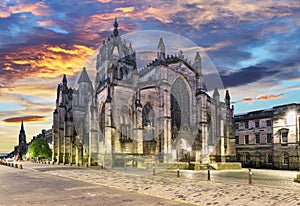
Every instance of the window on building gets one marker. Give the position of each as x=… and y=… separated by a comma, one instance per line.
x=284, y=137
x=246, y=139
x=269, y=138
x=246, y=125
x=286, y=159
x=236, y=139
x=257, y=124
x=269, y=123
x=247, y=157
x=257, y=138
x=269, y=158
x=237, y=126
x=124, y=132
x=125, y=124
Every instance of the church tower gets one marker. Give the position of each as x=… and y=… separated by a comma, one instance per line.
x=22, y=135
x=22, y=147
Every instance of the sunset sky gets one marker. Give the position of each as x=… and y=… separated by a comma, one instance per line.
x=255, y=46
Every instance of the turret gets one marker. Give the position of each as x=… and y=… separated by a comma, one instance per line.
x=65, y=82
x=84, y=77
x=84, y=88
x=197, y=63
x=216, y=95
x=161, y=50
x=227, y=98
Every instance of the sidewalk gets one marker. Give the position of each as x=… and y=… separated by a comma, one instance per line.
x=270, y=187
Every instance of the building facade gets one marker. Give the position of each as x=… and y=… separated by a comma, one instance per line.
x=159, y=114
x=269, y=138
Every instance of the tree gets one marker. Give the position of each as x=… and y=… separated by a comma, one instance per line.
x=39, y=148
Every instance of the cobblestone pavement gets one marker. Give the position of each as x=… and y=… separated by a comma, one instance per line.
x=269, y=187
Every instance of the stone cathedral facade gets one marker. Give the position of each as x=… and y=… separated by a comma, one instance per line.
x=159, y=114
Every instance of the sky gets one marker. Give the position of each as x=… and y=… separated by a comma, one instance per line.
x=254, y=45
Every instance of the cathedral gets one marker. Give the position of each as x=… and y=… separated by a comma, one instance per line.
x=159, y=114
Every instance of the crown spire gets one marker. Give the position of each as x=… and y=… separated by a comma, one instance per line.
x=116, y=31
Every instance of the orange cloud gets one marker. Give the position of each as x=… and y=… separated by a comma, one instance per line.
x=246, y=99
x=50, y=61
x=4, y=12
x=125, y=9
x=260, y=98
x=26, y=119
x=38, y=8
x=267, y=97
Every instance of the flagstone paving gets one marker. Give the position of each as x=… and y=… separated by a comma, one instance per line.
x=269, y=187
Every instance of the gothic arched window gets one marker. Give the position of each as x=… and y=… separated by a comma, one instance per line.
x=148, y=116
x=125, y=130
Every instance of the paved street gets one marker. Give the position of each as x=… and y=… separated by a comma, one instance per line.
x=270, y=187
x=29, y=187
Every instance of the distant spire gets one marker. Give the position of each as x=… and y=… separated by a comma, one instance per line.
x=22, y=128
x=84, y=77
x=116, y=31
x=161, y=49
x=22, y=135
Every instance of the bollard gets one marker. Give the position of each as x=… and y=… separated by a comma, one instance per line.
x=21, y=167
x=250, y=176
x=178, y=171
x=153, y=169
x=208, y=173
x=8, y=164
x=12, y=164
x=16, y=165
